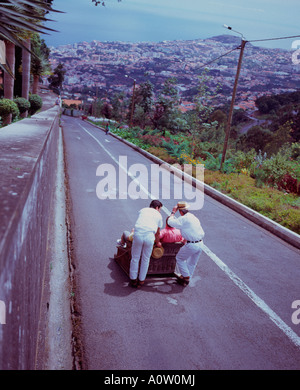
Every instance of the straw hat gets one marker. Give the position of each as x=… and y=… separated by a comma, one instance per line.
x=157, y=252
x=182, y=205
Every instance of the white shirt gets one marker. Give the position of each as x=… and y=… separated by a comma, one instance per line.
x=149, y=220
x=189, y=225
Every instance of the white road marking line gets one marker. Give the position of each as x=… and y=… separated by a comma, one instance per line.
x=237, y=281
x=255, y=298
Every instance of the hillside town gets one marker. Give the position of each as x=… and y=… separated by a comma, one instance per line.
x=101, y=69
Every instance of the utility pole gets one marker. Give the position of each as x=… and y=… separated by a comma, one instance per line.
x=229, y=120
x=132, y=104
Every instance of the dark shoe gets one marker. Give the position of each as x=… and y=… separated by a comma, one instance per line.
x=183, y=280
x=140, y=283
x=133, y=283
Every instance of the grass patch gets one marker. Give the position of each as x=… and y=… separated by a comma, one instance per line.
x=281, y=207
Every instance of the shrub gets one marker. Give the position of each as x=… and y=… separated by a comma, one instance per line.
x=290, y=218
x=202, y=147
x=23, y=104
x=152, y=139
x=213, y=163
x=176, y=150
x=162, y=154
x=289, y=184
x=244, y=160
x=282, y=208
x=8, y=107
x=35, y=103
x=279, y=171
x=275, y=168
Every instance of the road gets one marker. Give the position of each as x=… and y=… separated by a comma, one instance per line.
x=254, y=122
x=235, y=314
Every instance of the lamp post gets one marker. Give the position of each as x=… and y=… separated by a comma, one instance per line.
x=132, y=105
x=229, y=120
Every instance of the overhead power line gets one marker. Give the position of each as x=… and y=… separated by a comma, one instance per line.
x=253, y=40
x=223, y=55
x=274, y=39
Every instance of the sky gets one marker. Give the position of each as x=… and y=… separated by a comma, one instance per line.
x=159, y=20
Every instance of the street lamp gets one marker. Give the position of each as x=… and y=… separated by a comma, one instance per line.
x=230, y=28
x=132, y=105
x=228, y=126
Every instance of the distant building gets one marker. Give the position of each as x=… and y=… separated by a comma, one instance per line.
x=68, y=102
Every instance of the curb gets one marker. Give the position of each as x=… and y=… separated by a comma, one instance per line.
x=280, y=231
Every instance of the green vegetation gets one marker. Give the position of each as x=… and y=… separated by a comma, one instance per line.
x=18, y=106
x=279, y=206
x=262, y=167
x=8, y=107
x=36, y=103
x=23, y=104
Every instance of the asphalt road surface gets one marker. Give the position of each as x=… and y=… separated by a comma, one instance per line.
x=237, y=311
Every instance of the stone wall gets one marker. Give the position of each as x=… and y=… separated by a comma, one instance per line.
x=28, y=163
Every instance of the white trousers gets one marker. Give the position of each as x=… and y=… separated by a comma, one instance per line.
x=142, y=246
x=187, y=258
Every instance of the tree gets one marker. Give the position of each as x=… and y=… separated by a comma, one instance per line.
x=8, y=108
x=9, y=76
x=143, y=103
x=106, y=111
x=23, y=104
x=39, y=61
x=280, y=137
x=19, y=17
x=26, y=60
x=199, y=120
x=35, y=103
x=97, y=2
x=296, y=127
x=219, y=116
x=256, y=138
x=165, y=110
x=118, y=106
x=56, y=80
x=17, y=20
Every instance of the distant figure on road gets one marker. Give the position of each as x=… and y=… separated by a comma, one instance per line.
x=191, y=230
x=170, y=234
x=58, y=101
x=146, y=232
x=107, y=128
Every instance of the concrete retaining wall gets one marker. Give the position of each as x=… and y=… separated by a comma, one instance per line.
x=72, y=112
x=28, y=162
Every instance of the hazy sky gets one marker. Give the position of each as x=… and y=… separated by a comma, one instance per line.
x=158, y=20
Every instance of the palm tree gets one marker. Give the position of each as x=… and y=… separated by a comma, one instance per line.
x=19, y=18
x=39, y=61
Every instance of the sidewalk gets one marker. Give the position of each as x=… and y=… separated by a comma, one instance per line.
x=49, y=98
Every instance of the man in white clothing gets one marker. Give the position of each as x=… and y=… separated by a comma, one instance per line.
x=191, y=230
x=146, y=232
